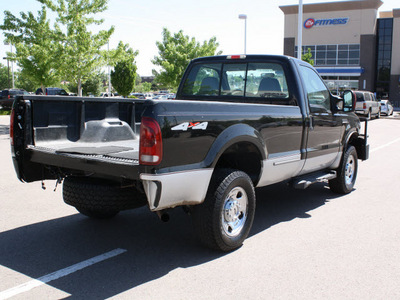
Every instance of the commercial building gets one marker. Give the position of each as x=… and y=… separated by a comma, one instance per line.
x=352, y=47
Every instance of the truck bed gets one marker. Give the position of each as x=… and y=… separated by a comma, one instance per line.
x=84, y=134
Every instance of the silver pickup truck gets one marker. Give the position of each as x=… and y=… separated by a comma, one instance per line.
x=367, y=105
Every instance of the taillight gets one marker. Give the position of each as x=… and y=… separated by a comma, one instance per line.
x=9, y=97
x=150, y=151
x=364, y=106
x=12, y=127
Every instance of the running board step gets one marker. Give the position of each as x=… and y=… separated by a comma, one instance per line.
x=305, y=181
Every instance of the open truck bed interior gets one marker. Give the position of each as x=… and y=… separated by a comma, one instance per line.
x=93, y=129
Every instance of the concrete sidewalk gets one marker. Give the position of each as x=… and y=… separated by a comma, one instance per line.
x=4, y=120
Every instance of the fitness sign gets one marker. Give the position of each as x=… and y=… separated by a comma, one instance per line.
x=311, y=22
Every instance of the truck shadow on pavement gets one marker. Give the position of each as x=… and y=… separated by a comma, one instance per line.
x=4, y=129
x=153, y=248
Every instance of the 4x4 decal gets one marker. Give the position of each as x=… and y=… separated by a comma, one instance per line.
x=189, y=125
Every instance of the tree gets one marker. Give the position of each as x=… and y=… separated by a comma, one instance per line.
x=92, y=86
x=36, y=47
x=175, y=52
x=79, y=49
x=4, y=76
x=23, y=82
x=143, y=87
x=123, y=77
x=122, y=52
x=308, y=57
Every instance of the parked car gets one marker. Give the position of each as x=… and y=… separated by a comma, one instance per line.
x=138, y=95
x=105, y=94
x=386, y=107
x=367, y=104
x=7, y=97
x=53, y=91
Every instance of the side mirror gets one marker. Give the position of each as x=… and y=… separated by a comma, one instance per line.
x=349, y=101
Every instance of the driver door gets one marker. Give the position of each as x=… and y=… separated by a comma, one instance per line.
x=325, y=128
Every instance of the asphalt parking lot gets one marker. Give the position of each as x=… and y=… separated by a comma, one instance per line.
x=309, y=244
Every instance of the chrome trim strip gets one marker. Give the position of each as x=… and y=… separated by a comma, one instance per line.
x=174, y=189
x=287, y=160
x=280, y=168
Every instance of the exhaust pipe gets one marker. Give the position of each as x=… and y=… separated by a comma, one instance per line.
x=163, y=215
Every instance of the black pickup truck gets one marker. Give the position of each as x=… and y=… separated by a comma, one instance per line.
x=239, y=122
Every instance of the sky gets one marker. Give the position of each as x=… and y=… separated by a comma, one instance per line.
x=140, y=24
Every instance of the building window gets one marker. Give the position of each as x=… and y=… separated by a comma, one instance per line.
x=384, y=57
x=333, y=55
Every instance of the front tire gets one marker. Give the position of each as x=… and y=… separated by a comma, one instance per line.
x=225, y=218
x=346, y=173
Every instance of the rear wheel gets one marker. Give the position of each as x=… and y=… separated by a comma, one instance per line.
x=100, y=199
x=225, y=218
x=346, y=173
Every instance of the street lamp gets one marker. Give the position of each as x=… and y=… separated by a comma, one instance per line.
x=8, y=70
x=109, y=73
x=12, y=65
x=244, y=17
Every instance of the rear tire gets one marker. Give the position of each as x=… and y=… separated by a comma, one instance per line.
x=100, y=199
x=223, y=221
x=346, y=173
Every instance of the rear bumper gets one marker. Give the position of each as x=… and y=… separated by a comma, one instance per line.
x=361, y=112
x=173, y=189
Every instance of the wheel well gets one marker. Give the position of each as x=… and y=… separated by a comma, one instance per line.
x=244, y=157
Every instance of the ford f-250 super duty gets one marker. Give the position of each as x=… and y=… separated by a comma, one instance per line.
x=239, y=122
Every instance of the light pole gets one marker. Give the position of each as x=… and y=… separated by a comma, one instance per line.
x=300, y=31
x=12, y=65
x=109, y=74
x=8, y=70
x=244, y=17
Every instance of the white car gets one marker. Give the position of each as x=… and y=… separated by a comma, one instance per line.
x=386, y=107
x=367, y=105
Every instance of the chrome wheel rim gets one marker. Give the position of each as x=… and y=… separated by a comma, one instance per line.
x=234, y=212
x=350, y=170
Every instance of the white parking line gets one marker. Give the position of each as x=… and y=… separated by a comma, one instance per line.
x=58, y=274
x=385, y=145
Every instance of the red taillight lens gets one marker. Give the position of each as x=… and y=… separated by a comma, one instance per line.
x=12, y=127
x=9, y=97
x=150, y=151
x=364, y=106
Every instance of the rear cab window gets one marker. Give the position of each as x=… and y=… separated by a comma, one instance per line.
x=238, y=81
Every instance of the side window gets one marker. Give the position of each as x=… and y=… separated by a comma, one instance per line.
x=317, y=93
x=367, y=97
